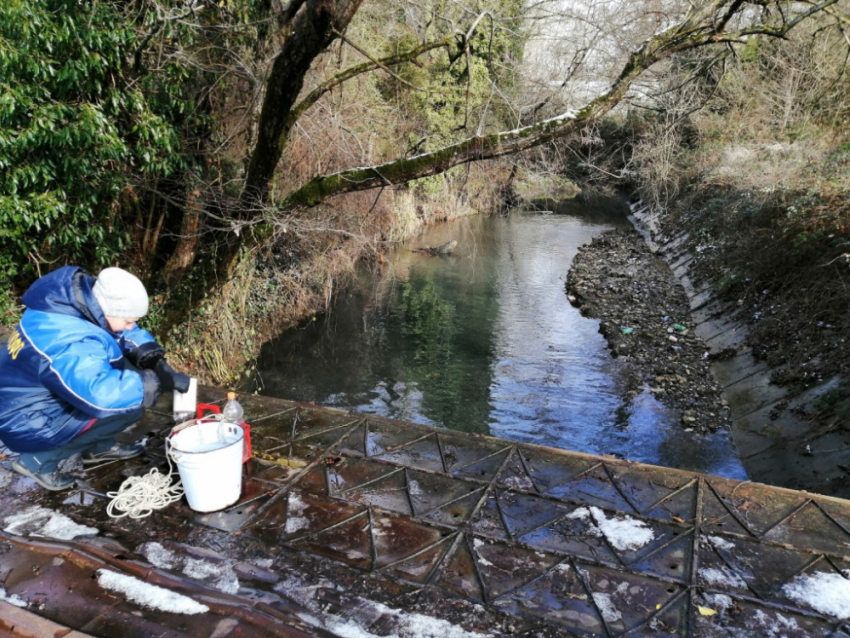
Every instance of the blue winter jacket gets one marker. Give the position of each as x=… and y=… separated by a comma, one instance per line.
x=62, y=366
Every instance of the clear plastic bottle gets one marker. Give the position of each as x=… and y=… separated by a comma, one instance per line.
x=233, y=413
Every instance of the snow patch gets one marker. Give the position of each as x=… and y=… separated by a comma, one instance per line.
x=394, y=622
x=414, y=488
x=623, y=532
x=777, y=625
x=722, y=576
x=222, y=576
x=609, y=612
x=148, y=595
x=40, y=521
x=476, y=545
x=826, y=593
x=12, y=599
x=294, y=520
x=158, y=555
x=721, y=543
x=406, y=625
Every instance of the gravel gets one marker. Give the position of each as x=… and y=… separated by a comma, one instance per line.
x=644, y=315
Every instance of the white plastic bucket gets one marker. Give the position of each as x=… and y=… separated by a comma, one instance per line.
x=208, y=454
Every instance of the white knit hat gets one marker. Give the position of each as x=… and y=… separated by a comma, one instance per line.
x=120, y=294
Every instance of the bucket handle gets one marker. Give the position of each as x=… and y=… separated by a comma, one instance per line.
x=207, y=406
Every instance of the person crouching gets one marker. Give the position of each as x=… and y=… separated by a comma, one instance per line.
x=77, y=370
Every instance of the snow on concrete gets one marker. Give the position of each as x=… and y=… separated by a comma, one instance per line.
x=405, y=625
x=147, y=595
x=721, y=543
x=220, y=576
x=294, y=520
x=623, y=532
x=414, y=488
x=363, y=614
x=826, y=593
x=158, y=555
x=477, y=544
x=609, y=612
x=40, y=521
x=722, y=576
x=12, y=599
x=776, y=625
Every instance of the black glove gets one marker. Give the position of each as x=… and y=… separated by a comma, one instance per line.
x=151, y=386
x=169, y=379
x=146, y=356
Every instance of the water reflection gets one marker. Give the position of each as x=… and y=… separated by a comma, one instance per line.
x=484, y=341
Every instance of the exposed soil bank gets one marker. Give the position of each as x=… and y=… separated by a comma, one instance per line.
x=645, y=316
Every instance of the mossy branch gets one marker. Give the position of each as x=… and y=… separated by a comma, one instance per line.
x=696, y=30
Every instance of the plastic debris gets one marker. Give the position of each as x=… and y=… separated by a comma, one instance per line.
x=706, y=611
x=627, y=331
x=679, y=327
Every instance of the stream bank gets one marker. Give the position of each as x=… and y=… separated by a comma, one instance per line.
x=621, y=278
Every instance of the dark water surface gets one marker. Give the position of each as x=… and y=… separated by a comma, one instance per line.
x=485, y=341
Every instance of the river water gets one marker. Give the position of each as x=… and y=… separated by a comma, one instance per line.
x=485, y=341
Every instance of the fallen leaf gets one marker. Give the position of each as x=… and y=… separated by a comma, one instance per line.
x=706, y=611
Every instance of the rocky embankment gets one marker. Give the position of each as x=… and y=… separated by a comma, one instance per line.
x=645, y=316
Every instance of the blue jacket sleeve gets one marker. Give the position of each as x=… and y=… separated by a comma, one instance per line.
x=132, y=339
x=81, y=373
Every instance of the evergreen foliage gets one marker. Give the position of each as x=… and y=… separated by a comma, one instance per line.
x=72, y=128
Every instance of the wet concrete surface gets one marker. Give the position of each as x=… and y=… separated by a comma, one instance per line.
x=353, y=525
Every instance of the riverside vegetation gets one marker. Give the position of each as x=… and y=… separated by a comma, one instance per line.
x=217, y=148
x=747, y=151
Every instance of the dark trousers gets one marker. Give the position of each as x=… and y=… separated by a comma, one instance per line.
x=98, y=438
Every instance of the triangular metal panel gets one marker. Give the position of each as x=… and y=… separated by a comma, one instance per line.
x=424, y=454
x=488, y=521
x=384, y=437
x=460, y=452
x=432, y=491
x=594, y=487
x=627, y=600
x=671, y=561
x=505, y=567
x=350, y=473
x=765, y=568
x=396, y=538
x=388, y=492
x=308, y=514
x=523, y=512
x=751, y=619
x=575, y=535
x=459, y=576
x=760, y=507
x=485, y=469
x=457, y=512
x=514, y=475
x=680, y=507
x=810, y=528
x=419, y=568
x=349, y=542
x=551, y=470
x=645, y=486
x=310, y=422
x=559, y=599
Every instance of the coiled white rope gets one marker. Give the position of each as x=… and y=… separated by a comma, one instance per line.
x=139, y=496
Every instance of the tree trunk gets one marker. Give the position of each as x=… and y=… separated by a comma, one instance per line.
x=315, y=27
